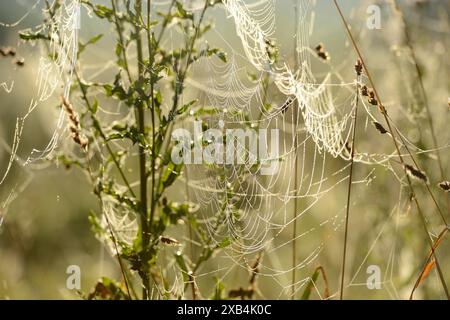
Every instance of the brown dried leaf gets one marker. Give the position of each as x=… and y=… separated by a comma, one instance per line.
x=431, y=262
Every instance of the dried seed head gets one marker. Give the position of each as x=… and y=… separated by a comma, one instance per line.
x=445, y=185
x=19, y=62
x=74, y=124
x=372, y=99
x=7, y=51
x=359, y=67
x=416, y=173
x=169, y=241
x=321, y=53
x=379, y=127
x=364, y=91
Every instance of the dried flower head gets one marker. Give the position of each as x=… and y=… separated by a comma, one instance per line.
x=74, y=124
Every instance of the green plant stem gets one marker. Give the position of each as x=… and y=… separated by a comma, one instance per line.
x=151, y=53
x=179, y=83
x=121, y=40
x=102, y=135
x=165, y=23
x=391, y=132
x=140, y=119
x=128, y=284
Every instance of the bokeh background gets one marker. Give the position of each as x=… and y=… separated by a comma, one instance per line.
x=46, y=228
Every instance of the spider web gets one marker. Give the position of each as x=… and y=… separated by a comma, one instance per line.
x=55, y=71
x=312, y=115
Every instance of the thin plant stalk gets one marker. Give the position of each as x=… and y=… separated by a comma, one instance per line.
x=296, y=182
x=391, y=132
x=349, y=190
x=409, y=44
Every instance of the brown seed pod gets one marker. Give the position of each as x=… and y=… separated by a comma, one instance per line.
x=372, y=99
x=445, y=186
x=8, y=51
x=321, y=53
x=19, y=62
x=379, y=127
x=416, y=173
x=169, y=241
x=11, y=52
x=364, y=91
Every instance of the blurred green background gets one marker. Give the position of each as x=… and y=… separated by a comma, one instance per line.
x=46, y=229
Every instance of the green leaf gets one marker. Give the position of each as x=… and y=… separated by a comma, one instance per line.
x=307, y=292
x=217, y=52
x=186, y=107
x=29, y=36
x=224, y=243
x=103, y=12
x=169, y=176
x=95, y=106
x=94, y=40
x=219, y=292
x=222, y=56
x=183, y=266
x=182, y=13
